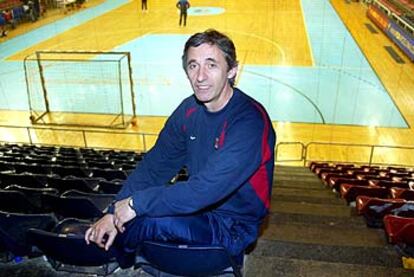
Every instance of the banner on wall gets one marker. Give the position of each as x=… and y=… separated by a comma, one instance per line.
x=378, y=17
x=402, y=39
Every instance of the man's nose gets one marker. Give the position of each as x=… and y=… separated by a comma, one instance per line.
x=201, y=74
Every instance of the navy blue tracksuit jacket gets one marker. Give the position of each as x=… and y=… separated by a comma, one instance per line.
x=229, y=155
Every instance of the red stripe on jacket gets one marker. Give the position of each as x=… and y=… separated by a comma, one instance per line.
x=260, y=180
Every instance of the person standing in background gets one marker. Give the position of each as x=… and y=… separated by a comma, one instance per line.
x=144, y=7
x=183, y=5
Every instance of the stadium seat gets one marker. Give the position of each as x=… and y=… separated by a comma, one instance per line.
x=388, y=184
x=406, y=194
x=111, y=187
x=24, y=179
x=83, y=207
x=6, y=166
x=100, y=200
x=69, y=183
x=13, y=232
x=406, y=210
x=64, y=171
x=400, y=231
x=17, y=202
x=314, y=165
x=100, y=164
x=125, y=166
x=32, y=168
x=335, y=183
x=108, y=174
x=349, y=192
x=66, y=249
x=374, y=209
x=187, y=260
x=324, y=170
x=395, y=229
x=33, y=194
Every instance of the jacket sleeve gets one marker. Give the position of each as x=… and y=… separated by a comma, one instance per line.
x=160, y=164
x=226, y=170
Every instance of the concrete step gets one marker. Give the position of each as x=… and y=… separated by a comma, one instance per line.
x=264, y=266
x=384, y=256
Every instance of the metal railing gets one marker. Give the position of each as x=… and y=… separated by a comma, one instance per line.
x=286, y=153
x=135, y=141
x=344, y=153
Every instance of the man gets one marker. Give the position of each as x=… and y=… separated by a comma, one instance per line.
x=183, y=6
x=225, y=140
x=144, y=6
x=8, y=18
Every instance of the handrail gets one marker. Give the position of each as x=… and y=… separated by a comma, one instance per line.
x=369, y=154
x=29, y=130
x=291, y=143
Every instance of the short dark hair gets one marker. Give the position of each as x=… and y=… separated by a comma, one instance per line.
x=213, y=37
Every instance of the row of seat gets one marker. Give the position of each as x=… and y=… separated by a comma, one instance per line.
x=382, y=195
x=48, y=215
x=53, y=154
x=59, y=159
x=71, y=203
x=18, y=162
x=36, y=174
x=63, y=244
x=56, y=168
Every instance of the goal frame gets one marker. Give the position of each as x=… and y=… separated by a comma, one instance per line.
x=119, y=121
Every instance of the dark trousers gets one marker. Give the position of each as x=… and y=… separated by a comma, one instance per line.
x=183, y=17
x=195, y=229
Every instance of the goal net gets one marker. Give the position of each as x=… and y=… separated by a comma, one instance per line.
x=80, y=88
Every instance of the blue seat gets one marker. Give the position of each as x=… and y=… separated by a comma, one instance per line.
x=14, y=228
x=162, y=258
x=33, y=195
x=66, y=249
x=77, y=204
x=14, y=201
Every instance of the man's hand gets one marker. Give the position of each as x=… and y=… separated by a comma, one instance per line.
x=102, y=232
x=122, y=214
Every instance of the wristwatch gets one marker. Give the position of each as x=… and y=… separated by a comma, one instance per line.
x=131, y=203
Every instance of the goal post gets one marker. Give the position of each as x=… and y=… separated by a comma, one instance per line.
x=80, y=88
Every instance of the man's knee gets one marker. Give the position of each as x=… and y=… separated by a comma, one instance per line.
x=179, y=229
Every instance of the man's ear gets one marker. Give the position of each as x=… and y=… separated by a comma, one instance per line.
x=232, y=72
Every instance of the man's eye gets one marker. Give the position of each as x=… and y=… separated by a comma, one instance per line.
x=191, y=66
x=212, y=65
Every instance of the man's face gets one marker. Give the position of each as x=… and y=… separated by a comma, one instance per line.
x=209, y=75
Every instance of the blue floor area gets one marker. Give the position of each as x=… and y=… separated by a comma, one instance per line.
x=340, y=88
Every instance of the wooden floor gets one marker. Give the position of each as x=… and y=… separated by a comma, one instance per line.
x=292, y=49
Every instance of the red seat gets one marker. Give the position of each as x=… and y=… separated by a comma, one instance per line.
x=374, y=209
x=363, y=203
x=402, y=193
x=388, y=184
x=321, y=171
x=335, y=183
x=349, y=192
x=399, y=229
x=327, y=176
x=315, y=165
